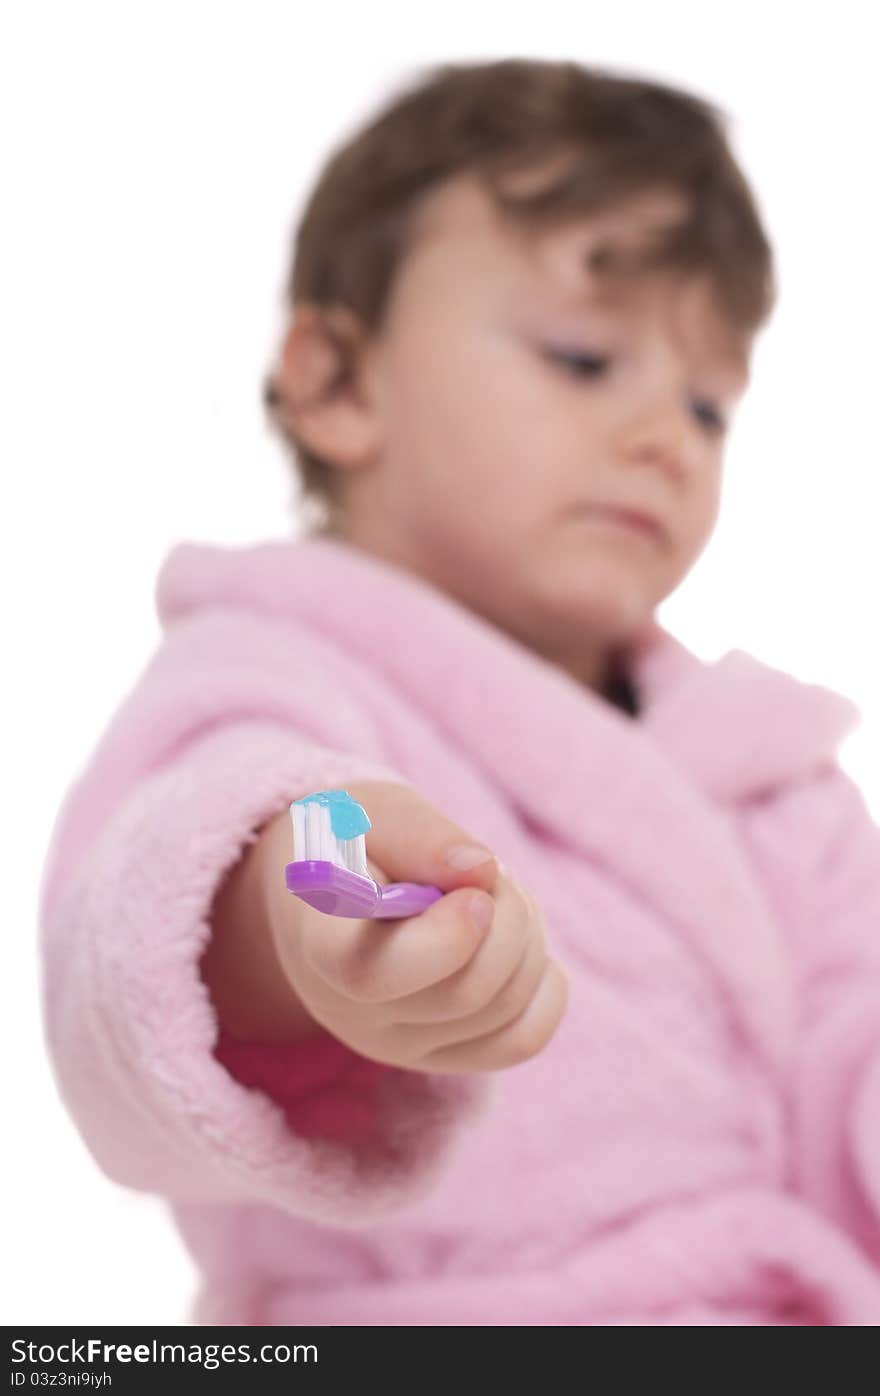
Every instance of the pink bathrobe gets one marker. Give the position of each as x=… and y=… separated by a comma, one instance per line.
x=700, y=1141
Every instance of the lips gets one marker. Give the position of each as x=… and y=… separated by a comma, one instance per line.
x=648, y=523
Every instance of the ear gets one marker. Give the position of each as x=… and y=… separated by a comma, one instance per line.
x=324, y=387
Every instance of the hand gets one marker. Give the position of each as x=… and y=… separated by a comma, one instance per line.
x=434, y=992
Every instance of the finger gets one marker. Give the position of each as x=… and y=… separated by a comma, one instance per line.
x=471, y=989
x=411, y=840
x=415, y=1041
x=374, y=961
x=515, y=1042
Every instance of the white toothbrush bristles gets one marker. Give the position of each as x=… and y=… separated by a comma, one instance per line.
x=313, y=838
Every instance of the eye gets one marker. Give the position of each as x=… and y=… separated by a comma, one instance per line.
x=709, y=417
x=580, y=363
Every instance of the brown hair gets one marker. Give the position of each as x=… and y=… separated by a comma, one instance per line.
x=509, y=116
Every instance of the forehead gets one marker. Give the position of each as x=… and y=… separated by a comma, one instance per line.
x=462, y=238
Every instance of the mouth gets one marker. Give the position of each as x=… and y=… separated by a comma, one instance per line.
x=632, y=521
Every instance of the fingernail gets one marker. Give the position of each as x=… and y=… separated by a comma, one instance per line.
x=481, y=910
x=467, y=855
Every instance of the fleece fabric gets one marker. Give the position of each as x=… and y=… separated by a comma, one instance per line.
x=699, y=1143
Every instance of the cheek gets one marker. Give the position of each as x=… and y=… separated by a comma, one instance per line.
x=699, y=517
x=708, y=497
x=473, y=414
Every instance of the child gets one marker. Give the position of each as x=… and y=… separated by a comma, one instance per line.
x=647, y=1090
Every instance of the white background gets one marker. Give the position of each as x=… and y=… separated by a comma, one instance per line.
x=154, y=160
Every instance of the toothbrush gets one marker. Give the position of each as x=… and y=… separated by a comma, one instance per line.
x=329, y=865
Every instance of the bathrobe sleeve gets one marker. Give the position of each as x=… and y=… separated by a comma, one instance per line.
x=838, y=1072
x=166, y=1104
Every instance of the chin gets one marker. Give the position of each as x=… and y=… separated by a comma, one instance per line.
x=610, y=603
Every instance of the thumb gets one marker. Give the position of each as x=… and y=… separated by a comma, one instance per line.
x=412, y=841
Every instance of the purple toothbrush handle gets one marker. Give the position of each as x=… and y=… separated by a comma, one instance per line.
x=406, y=899
x=338, y=892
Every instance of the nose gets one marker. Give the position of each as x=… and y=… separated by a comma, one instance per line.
x=661, y=435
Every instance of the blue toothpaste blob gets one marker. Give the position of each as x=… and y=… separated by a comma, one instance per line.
x=347, y=817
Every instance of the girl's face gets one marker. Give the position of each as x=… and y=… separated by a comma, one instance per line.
x=511, y=398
